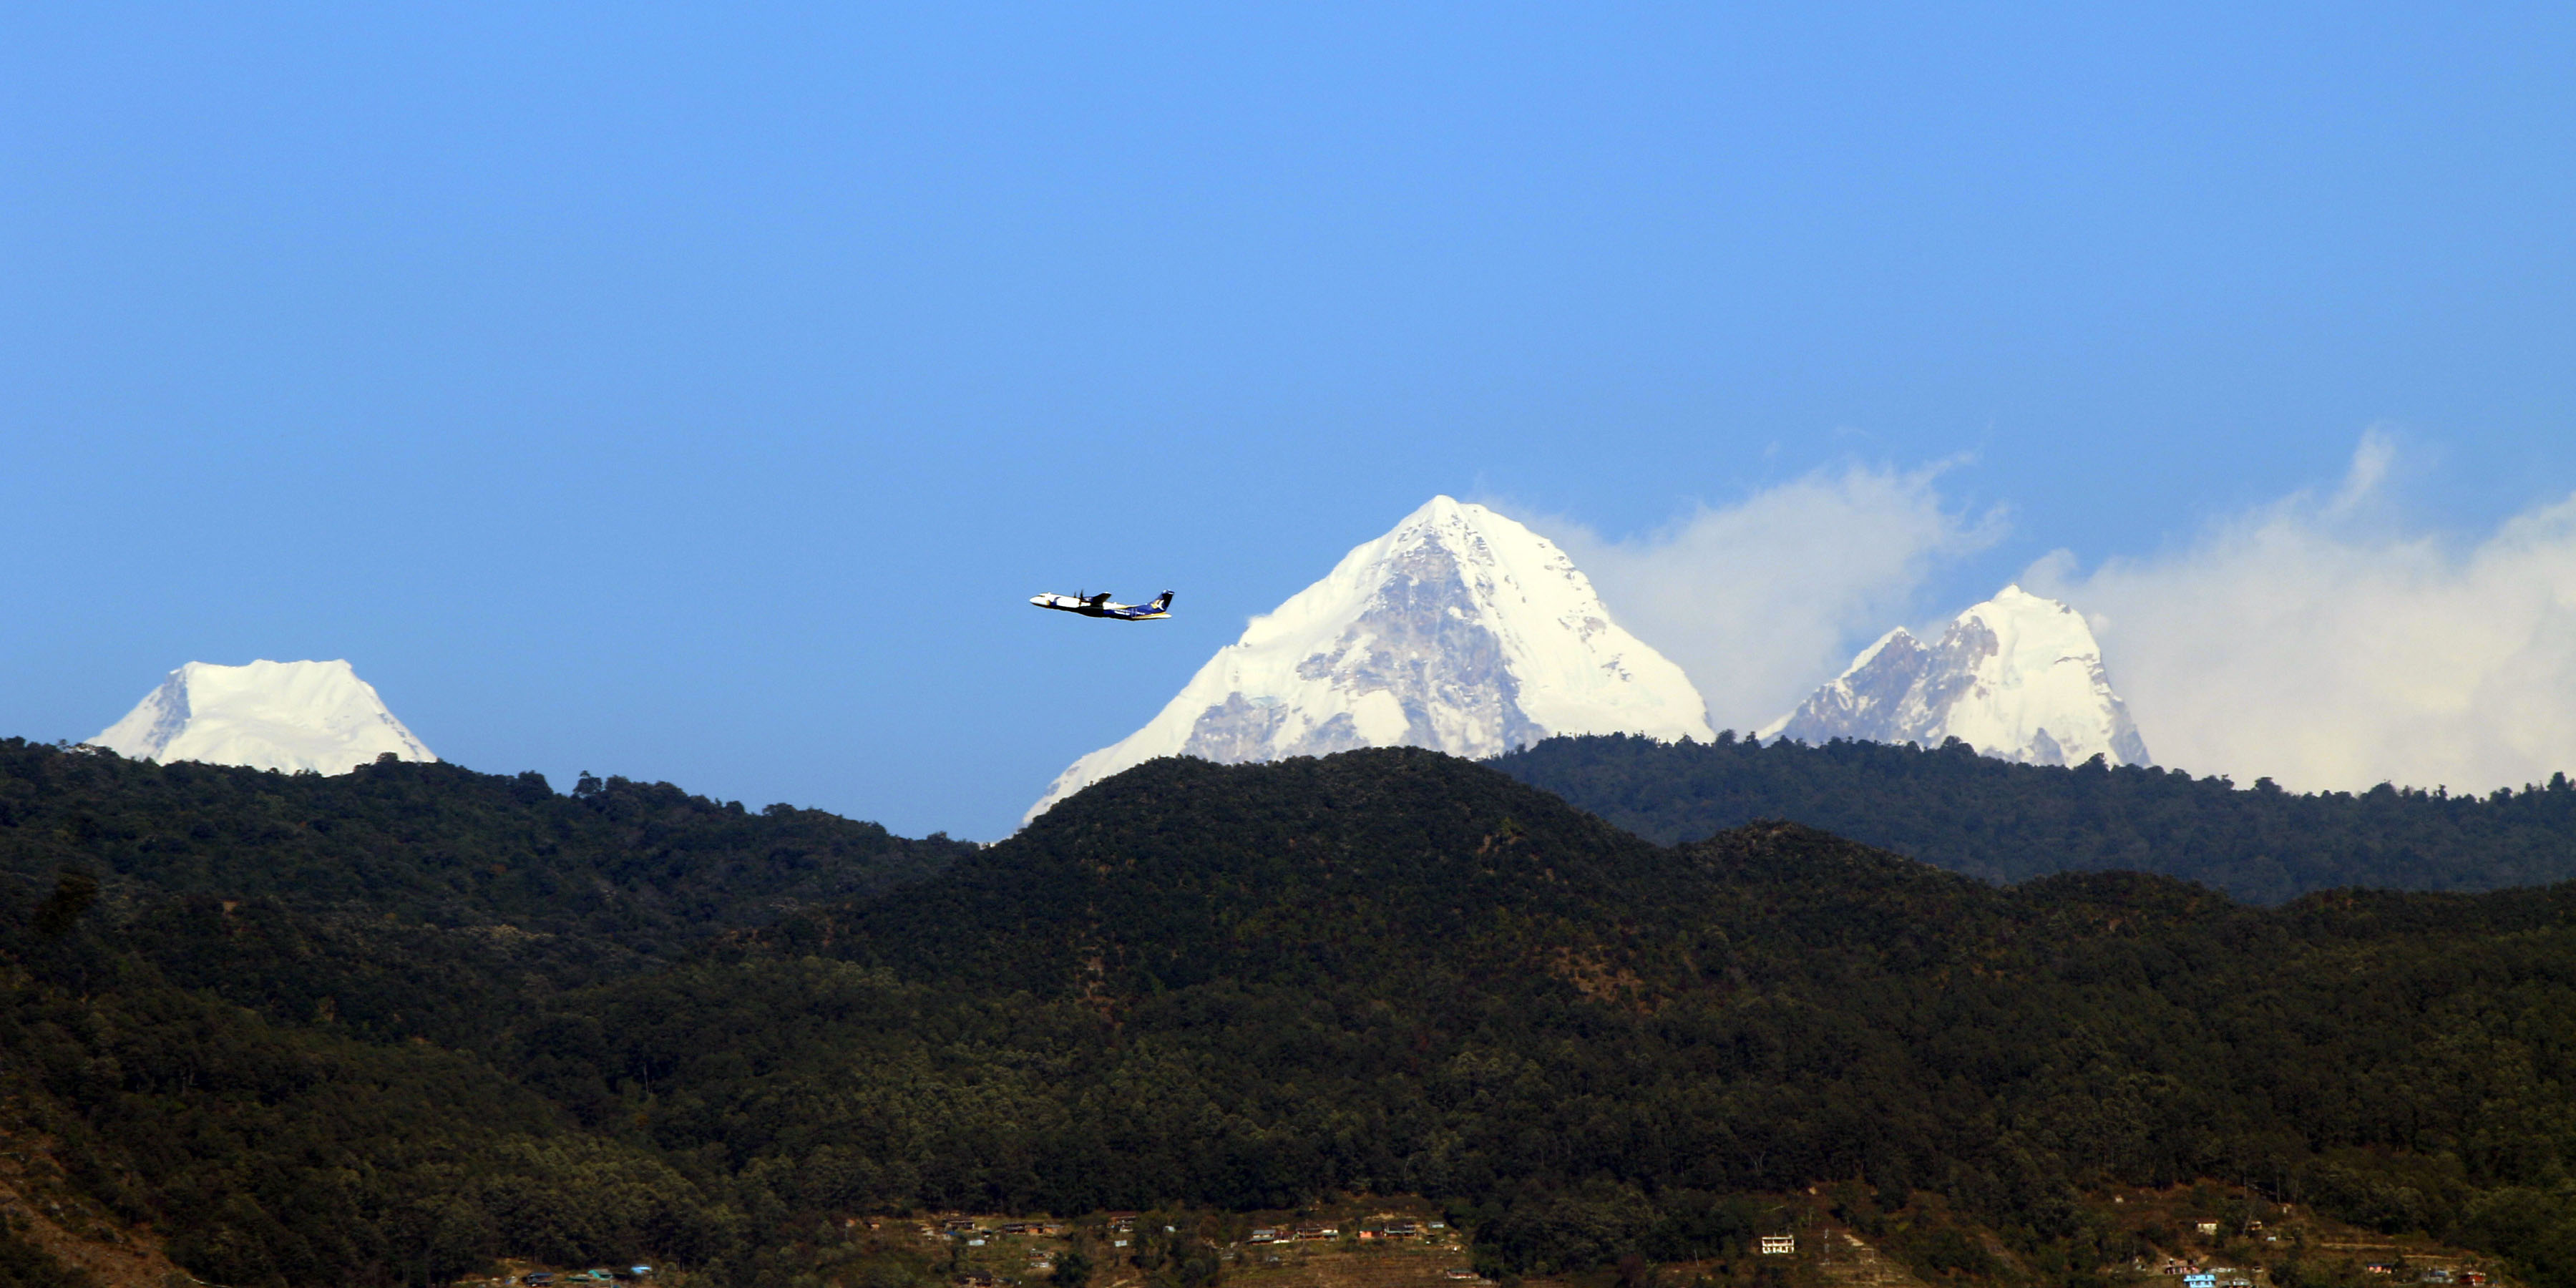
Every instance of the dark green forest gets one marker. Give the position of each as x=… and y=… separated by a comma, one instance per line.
x=386, y=1027
x=2005, y=822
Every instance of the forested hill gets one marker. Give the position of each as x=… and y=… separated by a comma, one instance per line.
x=416, y=900
x=2006, y=822
x=639, y=864
x=1393, y=970
x=1216, y=987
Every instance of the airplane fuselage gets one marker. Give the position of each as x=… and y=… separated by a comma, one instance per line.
x=1099, y=606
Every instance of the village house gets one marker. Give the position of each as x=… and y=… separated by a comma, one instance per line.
x=1779, y=1245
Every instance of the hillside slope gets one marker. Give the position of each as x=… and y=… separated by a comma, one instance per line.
x=1246, y=987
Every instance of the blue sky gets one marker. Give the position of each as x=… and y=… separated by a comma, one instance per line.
x=696, y=392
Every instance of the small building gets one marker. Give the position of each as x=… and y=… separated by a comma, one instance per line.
x=1779, y=1245
x=1265, y=1234
x=2200, y=1279
x=2208, y=1229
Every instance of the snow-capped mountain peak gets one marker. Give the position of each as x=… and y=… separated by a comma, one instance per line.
x=1459, y=630
x=2018, y=676
x=267, y=715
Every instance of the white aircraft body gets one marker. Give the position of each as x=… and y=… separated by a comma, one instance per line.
x=1099, y=606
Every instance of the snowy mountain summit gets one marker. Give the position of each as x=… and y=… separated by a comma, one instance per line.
x=2018, y=677
x=267, y=715
x=1460, y=630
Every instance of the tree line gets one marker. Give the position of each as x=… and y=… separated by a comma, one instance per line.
x=2001, y=821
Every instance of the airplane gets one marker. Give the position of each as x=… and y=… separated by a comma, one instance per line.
x=1099, y=606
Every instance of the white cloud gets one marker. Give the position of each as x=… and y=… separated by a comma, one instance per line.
x=1760, y=601
x=2312, y=641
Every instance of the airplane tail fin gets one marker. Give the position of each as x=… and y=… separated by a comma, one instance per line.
x=1163, y=601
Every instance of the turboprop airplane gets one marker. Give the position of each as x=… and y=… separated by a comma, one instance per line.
x=1099, y=606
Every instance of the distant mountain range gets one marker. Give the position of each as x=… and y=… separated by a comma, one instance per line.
x=1460, y=631
x=2018, y=677
x=287, y=716
x=1465, y=632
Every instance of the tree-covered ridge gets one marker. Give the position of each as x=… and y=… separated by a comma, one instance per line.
x=1252, y=987
x=644, y=864
x=2008, y=822
x=368, y=1118
x=1384, y=969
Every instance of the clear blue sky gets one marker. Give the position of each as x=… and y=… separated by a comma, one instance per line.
x=696, y=392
